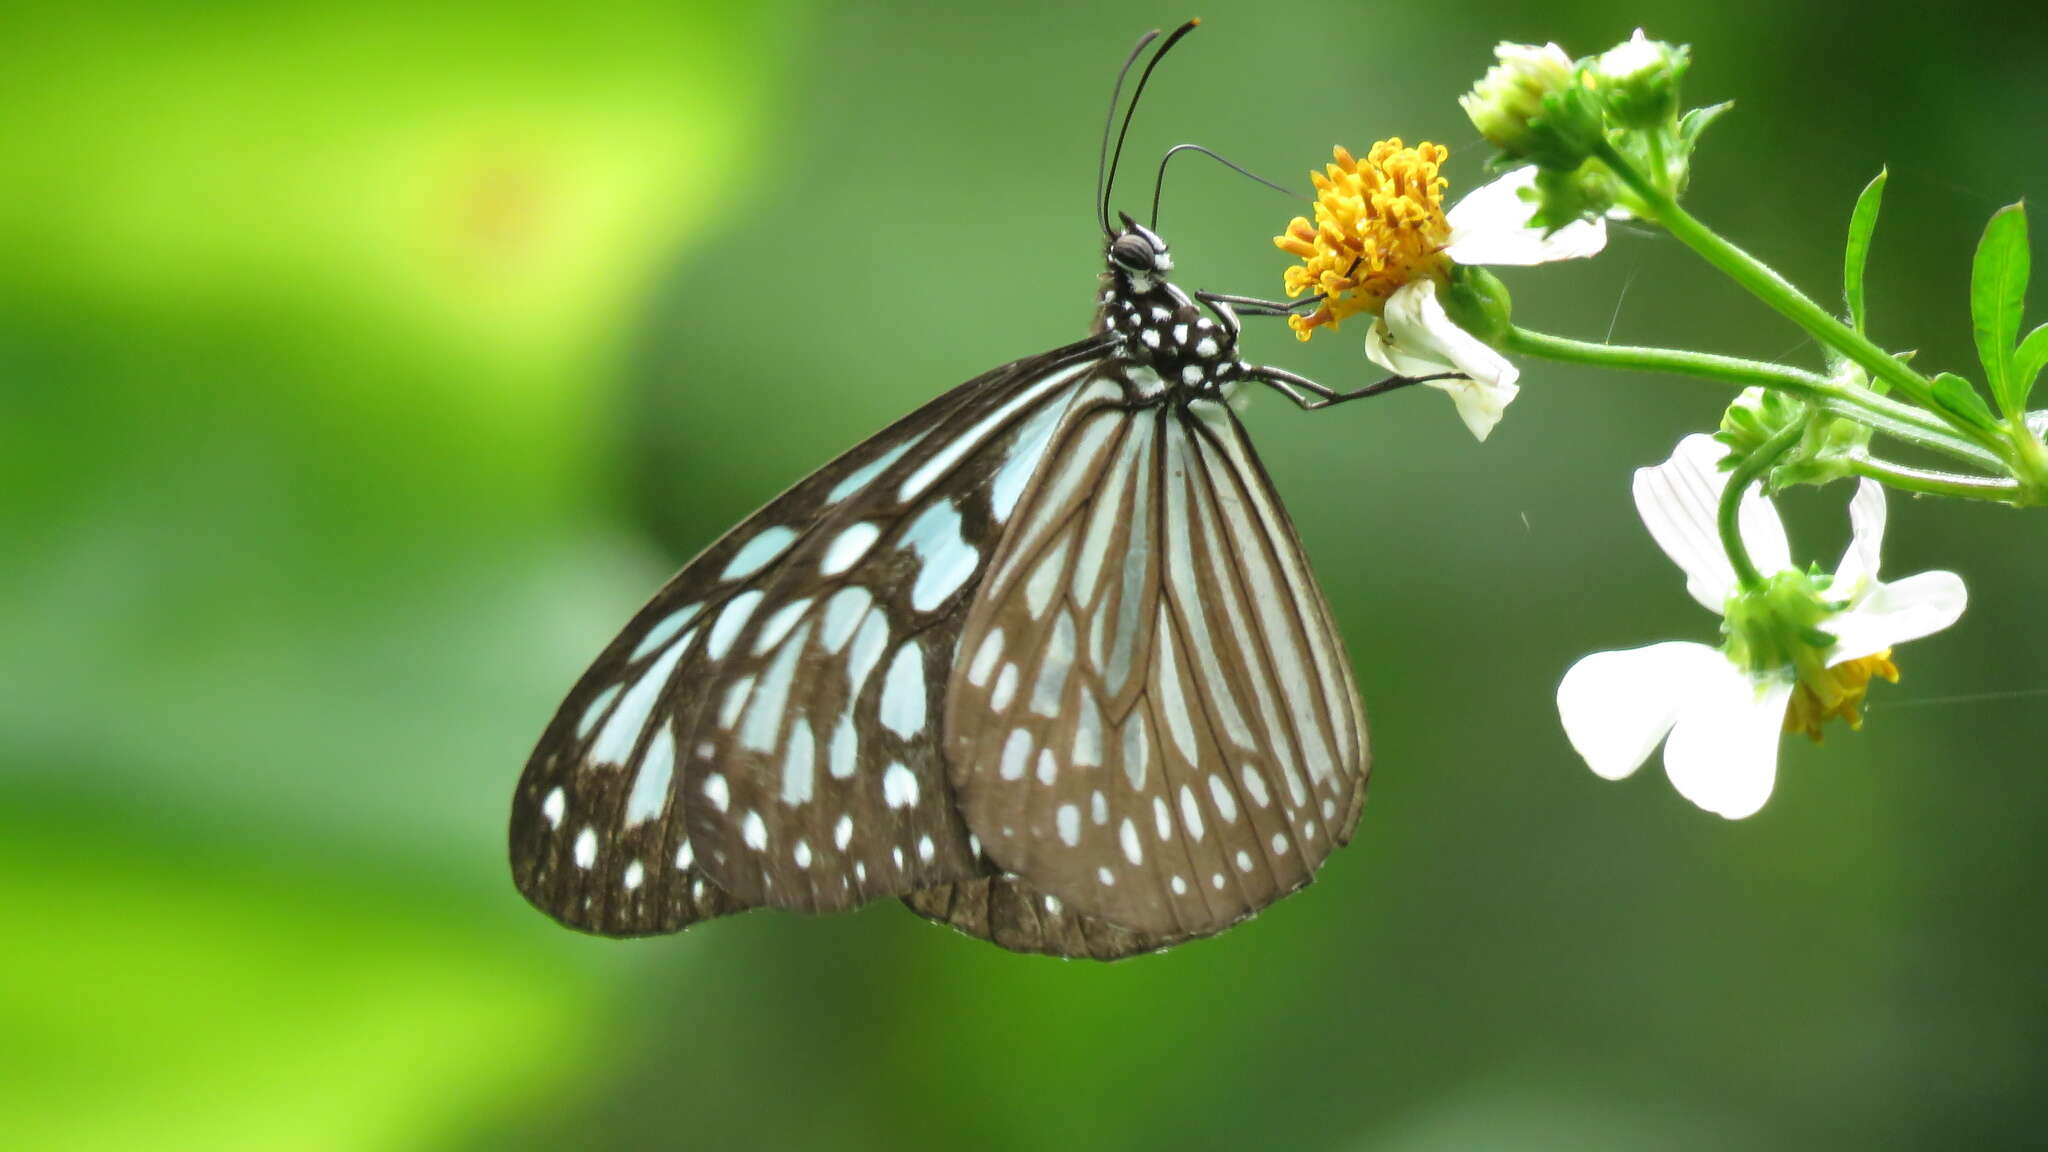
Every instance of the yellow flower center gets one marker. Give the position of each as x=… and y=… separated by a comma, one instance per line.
x=1836, y=691
x=1379, y=224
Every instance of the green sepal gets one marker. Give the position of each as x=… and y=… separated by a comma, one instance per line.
x=1862, y=223
x=1998, y=291
x=1698, y=120
x=1567, y=196
x=1778, y=626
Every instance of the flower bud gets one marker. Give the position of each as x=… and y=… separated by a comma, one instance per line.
x=1478, y=302
x=1638, y=81
x=1530, y=106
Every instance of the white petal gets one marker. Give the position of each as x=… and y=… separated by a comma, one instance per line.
x=1616, y=705
x=1491, y=226
x=1680, y=501
x=1866, y=541
x=1416, y=337
x=1723, y=752
x=1888, y=614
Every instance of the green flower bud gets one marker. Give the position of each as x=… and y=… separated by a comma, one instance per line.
x=1478, y=302
x=1638, y=81
x=1531, y=106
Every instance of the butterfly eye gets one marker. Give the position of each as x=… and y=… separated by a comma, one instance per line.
x=1134, y=253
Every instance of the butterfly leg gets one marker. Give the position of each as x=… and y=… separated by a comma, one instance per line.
x=1223, y=302
x=1309, y=395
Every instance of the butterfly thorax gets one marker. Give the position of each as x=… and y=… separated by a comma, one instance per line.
x=1170, y=347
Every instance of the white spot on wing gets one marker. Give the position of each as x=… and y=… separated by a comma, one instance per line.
x=754, y=830
x=764, y=712
x=843, y=612
x=899, y=786
x=756, y=553
x=1255, y=785
x=1053, y=667
x=1016, y=751
x=730, y=621
x=1068, y=821
x=1219, y=795
x=715, y=790
x=779, y=624
x=845, y=749
x=903, y=692
x=1128, y=835
x=800, y=764
x=985, y=658
x=616, y=739
x=1137, y=749
x=848, y=547
x=667, y=627
x=947, y=559
x=635, y=873
x=586, y=847
x=650, y=785
x=859, y=477
x=554, y=807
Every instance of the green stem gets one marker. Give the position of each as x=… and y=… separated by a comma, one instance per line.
x=1766, y=285
x=1730, y=520
x=1932, y=483
x=1902, y=421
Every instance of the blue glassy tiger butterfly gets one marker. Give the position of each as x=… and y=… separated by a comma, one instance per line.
x=1044, y=659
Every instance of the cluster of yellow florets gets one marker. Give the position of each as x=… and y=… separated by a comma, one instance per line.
x=1379, y=224
x=1840, y=694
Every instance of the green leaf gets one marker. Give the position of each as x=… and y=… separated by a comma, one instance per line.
x=1698, y=120
x=1862, y=222
x=1959, y=397
x=2027, y=364
x=1998, y=291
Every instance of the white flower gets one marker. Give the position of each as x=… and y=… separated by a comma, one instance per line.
x=1723, y=719
x=1414, y=336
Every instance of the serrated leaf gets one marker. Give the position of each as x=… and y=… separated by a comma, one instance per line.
x=1998, y=292
x=1961, y=398
x=2027, y=364
x=1862, y=223
x=1698, y=120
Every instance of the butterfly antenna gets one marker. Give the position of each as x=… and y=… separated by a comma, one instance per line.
x=1159, y=184
x=1109, y=122
x=1109, y=179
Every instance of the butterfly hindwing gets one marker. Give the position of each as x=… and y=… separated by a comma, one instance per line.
x=749, y=738
x=1152, y=718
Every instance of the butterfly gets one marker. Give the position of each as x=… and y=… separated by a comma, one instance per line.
x=1044, y=659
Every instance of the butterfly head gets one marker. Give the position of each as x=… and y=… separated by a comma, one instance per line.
x=1138, y=257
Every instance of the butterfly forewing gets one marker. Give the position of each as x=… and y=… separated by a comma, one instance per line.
x=1152, y=719
x=765, y=731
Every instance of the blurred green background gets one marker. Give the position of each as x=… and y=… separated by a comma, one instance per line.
x=365, y=366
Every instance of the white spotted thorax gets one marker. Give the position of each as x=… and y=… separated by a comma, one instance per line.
x=1174, y=345
x=1044, y=659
